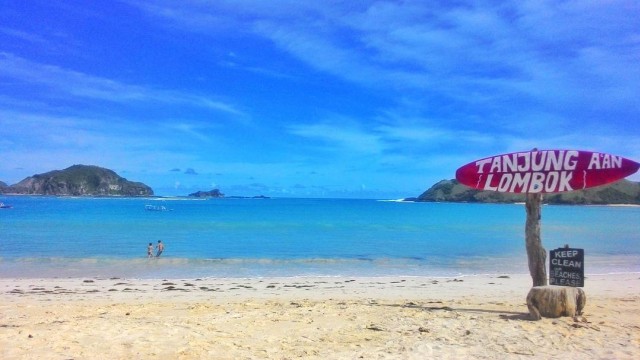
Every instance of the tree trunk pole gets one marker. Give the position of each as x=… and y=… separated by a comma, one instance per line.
x=536, y=253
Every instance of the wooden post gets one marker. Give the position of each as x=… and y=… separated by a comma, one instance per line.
x=536, y=253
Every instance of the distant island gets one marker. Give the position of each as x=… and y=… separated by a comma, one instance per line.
x=215, y=193
x=77, y=180
x=250, y=197
x=623, y=192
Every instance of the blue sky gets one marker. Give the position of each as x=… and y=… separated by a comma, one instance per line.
x=362, y=99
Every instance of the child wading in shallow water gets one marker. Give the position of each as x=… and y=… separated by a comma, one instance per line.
x=160, y=248
x=150, y=250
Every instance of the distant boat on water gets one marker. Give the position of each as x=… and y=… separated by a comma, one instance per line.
x=156, y=208
x=5, y=206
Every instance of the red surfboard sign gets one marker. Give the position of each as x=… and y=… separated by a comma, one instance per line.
x=545, y=171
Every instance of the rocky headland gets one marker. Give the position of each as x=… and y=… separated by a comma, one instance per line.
x=623, y=192
x=78, y=180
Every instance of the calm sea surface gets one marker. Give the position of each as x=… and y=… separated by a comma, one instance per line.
x=60, y=237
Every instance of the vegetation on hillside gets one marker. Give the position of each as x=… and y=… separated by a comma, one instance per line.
x=621, y=192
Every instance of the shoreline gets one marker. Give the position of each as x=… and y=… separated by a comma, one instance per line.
x=488, y=286
x=478, y=317
x=170, y=267
x=258, y=197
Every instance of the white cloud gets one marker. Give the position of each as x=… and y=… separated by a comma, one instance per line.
x=195, y=130
x=536, y=53
x=78, y=84
x=339, y=138
x=23, y=36
x=45, y=142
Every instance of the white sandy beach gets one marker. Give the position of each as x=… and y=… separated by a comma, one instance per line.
x=479, y=317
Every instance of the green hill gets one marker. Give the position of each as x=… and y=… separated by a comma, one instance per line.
x=78, y=180
x=621, y=192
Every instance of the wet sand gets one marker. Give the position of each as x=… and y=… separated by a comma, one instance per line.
x=477, y=317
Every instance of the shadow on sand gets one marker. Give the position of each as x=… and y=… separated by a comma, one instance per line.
x=506, y=315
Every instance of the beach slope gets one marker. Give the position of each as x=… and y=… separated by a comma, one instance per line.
x=478, y=317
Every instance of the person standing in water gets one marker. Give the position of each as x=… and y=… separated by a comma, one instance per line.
x=160, y=248
x=150, y=250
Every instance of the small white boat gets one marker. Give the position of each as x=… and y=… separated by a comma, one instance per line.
x=5, y=206
x=156, y=208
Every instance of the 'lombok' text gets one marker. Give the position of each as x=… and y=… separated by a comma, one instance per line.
x=537, y=171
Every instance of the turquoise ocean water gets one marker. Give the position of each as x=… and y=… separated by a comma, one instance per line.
x=108, y=237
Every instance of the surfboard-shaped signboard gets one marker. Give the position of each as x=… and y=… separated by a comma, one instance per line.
x=545, y=171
